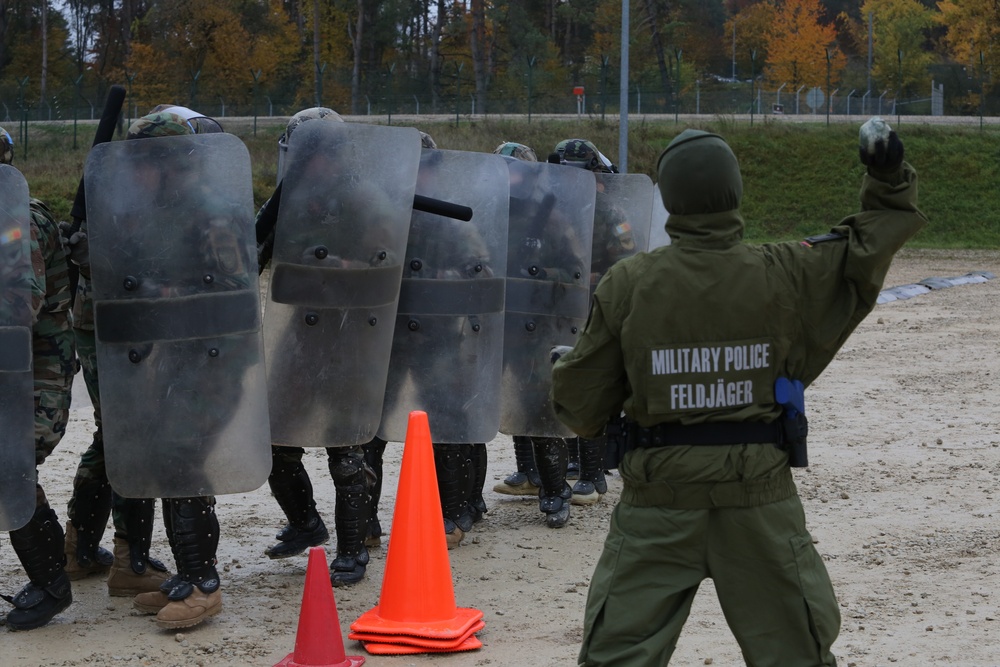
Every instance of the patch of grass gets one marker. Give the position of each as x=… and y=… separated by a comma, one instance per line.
x=798, y=179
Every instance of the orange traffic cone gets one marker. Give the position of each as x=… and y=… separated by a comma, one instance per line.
x=418, y=597
x=319, y=642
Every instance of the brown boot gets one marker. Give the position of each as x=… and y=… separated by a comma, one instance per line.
x=98, y=563
x=124, y=579
x=190, y=611
x=151, y=602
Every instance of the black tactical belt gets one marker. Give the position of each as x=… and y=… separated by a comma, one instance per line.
x=713, y=433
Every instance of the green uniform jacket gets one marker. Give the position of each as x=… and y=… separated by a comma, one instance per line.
x=699, y=330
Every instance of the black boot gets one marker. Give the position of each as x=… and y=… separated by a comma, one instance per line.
x=524, y=482
x=591, y=485
x=555, y=494
x=479, y=463
x=374, y=452
x=90, y=508
x=292, y=488
x=452, y=467
x=351, y=508
x=40, y=547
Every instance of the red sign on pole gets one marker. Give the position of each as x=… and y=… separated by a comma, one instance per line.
x=578, y=90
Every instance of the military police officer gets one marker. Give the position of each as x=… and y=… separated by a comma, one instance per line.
x=707, y=344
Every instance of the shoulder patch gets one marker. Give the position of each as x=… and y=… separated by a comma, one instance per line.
x=810, y=241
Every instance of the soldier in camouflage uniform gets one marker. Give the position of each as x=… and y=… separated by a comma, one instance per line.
x=39, y=544
x=541, y=458
x=130, y=569
x=193, y=594
x=356, y=472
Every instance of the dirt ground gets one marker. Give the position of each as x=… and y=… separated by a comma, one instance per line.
x=902, y=498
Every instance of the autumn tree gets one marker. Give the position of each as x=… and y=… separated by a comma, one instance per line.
x=973, y=36
x=901, y=55
x=749, y=33
x=800, y=48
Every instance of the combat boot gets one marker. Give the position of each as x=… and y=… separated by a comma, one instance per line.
x=194, y=534
x=39, y=547
x=80, y=563
x=293, y=541
x=190, y=604
x=555, y=494
x=153, y=601
x=90, y=508
x=133, y=571
x=132, y=574
x=35, y=606
x=524, y=482
x=351, y=505
x=592, y=485
x=292, y=488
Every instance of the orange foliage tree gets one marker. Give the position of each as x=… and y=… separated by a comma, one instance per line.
x=801, y=50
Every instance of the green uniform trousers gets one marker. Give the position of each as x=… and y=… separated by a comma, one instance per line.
x=771, y=582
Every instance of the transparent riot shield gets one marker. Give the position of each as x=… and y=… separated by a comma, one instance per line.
x=447, y=350
x=622, y=215
x=17, y=413
x=550, y=233
x=177, y=316
x=340, y=240
x=658, y=229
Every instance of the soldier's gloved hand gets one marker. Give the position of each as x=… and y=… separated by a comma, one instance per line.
x=77, y=246
x=879, y=148
x=558, y=351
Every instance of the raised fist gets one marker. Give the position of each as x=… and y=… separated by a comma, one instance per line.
x=879, y=148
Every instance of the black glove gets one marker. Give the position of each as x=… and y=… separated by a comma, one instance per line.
x=879, y=147
x=558, y=351
x=76, y=244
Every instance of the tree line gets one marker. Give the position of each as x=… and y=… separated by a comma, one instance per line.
x=436, y=56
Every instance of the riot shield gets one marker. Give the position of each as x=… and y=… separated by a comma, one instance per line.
x=447, y=349
x=177, y=316
x=17, y=413
x=657, y=231
x=340, y=240
x=550, y=233
x=622, y=216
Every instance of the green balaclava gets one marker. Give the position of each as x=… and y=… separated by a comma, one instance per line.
x=698, y=173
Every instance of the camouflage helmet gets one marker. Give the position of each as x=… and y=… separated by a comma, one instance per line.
x=312, y=113
x=6, y=147
x=516, y=150
x=201, y=124
x=427, y=141
x=160, y=124
x=582, y=153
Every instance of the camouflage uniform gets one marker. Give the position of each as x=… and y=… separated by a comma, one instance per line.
x=39, y=543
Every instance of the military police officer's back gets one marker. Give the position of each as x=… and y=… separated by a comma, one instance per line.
x=690, y=341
